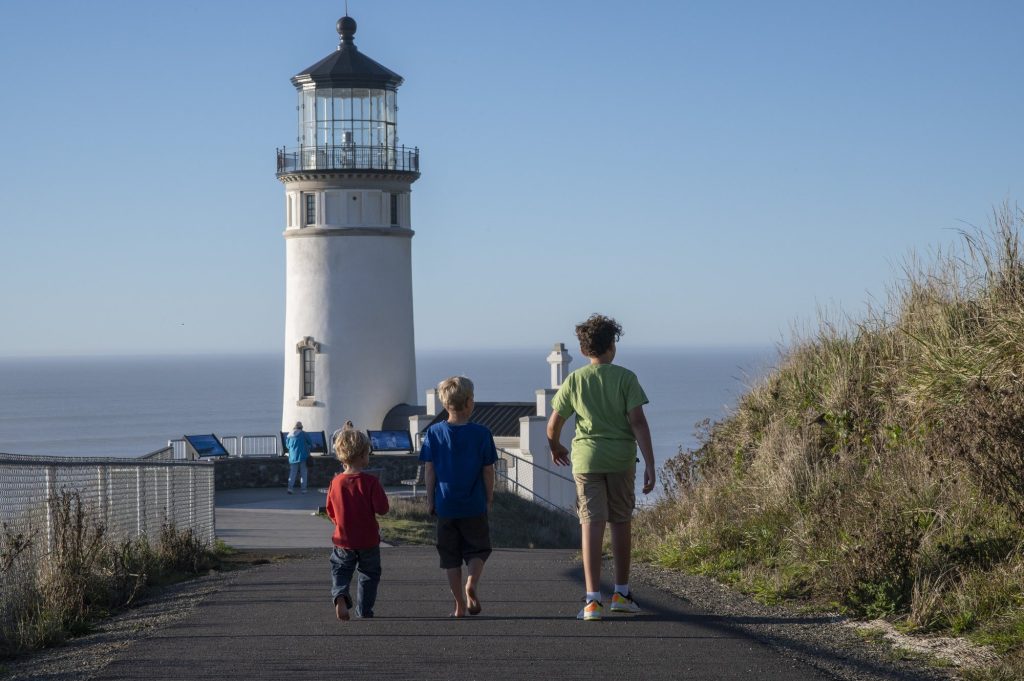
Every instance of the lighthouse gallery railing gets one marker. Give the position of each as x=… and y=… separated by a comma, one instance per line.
x=348, y=157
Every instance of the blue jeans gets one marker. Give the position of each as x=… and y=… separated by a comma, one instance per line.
x=295, y=468
x=367, y=563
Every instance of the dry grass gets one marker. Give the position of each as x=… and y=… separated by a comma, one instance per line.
x=47, y=596
x=880, y=468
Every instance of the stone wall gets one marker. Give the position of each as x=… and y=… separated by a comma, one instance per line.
x=242, y=473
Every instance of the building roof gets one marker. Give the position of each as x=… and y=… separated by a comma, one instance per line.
x=501, y=418
x=398, y=417
x=347, y=66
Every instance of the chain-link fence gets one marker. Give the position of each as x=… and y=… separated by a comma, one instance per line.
x=129, y=497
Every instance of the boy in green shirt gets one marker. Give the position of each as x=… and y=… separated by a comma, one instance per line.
x=610, y=423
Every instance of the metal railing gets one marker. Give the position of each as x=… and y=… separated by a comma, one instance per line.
x=130, y=497
x=348, y=157
x=237, y=445
x=528, y=488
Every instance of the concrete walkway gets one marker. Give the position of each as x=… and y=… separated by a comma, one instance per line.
x=273, y=519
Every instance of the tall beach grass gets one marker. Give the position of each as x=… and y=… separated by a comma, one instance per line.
x=50, y=593
x=880, y=468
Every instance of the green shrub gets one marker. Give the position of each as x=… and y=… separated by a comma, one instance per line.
x=880, y=466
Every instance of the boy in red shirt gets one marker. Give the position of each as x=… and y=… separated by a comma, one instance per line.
x=354, y=500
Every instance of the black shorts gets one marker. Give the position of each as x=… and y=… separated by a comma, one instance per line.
x=463, y=539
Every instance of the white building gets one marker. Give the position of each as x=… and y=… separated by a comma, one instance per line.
x=520, y=433
x=349, y=346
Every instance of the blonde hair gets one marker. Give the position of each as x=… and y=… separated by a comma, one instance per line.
x=455, y=392
x=351, y=444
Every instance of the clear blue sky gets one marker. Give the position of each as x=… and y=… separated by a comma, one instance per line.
x=709, y=173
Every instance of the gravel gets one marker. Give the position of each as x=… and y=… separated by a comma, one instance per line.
x=830, y=643
x=80, y=658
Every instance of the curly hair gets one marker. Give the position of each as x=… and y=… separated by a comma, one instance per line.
x=597, y=334
x=350, y=444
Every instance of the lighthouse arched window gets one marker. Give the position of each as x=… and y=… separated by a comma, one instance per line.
x=307, y=350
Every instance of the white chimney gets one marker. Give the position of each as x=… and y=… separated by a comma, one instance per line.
x=433, y=403
x=559, y=360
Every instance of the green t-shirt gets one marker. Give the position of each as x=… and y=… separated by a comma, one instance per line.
x=601, y=396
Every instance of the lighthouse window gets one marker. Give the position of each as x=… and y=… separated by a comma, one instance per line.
x=307, y=350
x=359, y=118
x=394, y=209
x=310, y=209
x=308, y=373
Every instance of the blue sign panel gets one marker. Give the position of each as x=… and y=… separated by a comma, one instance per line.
x=390, y=440
x=206, y=445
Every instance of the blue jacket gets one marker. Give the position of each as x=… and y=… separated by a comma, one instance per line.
x=298, y=446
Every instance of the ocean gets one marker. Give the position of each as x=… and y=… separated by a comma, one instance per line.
x=128, y=406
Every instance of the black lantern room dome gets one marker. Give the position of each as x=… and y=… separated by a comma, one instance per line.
x=348, y=115
x=347, y=66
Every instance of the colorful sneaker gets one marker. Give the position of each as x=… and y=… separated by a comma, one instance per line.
x=625, y=603
x=591, y=612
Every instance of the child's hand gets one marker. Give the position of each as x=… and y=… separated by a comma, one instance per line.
x=559, y=454
x=648, y=479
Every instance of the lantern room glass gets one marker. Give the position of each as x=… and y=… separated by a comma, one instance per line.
x=347, y=117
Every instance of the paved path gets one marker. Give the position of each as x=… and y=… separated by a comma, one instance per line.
x=276, y=621
x=273, y=519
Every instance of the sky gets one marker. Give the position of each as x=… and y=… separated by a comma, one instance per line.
x=709, y=173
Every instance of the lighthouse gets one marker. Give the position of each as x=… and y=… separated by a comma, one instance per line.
x=349, y=351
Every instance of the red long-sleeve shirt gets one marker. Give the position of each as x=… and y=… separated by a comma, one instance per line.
x=354, y=500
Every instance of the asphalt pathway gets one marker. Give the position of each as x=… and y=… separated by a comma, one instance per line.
x=276, y=622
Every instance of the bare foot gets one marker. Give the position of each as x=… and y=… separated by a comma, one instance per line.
x=460, y=610
x=341, y=609
x=472, y=603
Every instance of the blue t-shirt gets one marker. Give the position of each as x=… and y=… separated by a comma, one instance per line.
x=459, y=454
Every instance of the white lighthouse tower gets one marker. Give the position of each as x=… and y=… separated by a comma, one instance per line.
x=349, y=347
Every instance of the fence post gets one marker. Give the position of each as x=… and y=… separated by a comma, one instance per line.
x=169, y=498
x=51, y=491
x=140, y=500
x=101, y=494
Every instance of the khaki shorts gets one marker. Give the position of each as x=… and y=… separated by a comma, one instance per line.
x=607, y=497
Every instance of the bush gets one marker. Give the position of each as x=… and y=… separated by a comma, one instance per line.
x=47, y=595
x=880, y=467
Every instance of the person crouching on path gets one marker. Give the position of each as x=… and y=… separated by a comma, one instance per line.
x=610, y=423
x=458, y=471
x=354, y=500
x=299, y=444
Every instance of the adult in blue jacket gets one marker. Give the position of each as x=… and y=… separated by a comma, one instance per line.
x=299, y=445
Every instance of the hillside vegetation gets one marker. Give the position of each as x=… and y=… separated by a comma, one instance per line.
x=880, y=468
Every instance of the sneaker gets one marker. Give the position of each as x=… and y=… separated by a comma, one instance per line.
x=624, y=603
x=591, y=612
x=290, y=492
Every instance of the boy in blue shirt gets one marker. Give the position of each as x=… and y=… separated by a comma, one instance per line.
x=458, y=458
